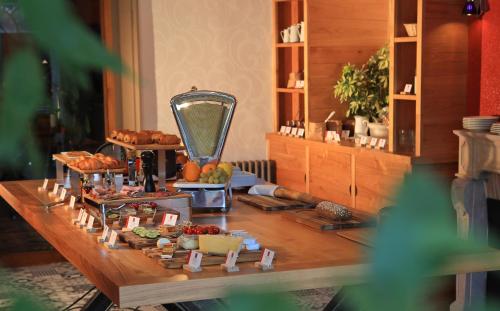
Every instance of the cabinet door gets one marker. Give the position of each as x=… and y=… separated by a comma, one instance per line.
x=290, y=160
x=330, y=175
x=377, y=177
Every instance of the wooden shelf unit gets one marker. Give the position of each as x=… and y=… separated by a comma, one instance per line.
x=337, y=33
x=330, y=42
x=435, y=62
x=288, y=103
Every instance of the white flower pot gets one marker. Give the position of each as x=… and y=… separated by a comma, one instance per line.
x=378, y=130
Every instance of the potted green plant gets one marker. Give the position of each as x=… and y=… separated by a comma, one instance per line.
x=366, y=91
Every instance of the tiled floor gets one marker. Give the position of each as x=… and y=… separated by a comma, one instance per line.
x=60, y=284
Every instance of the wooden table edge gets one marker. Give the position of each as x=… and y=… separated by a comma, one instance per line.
x=111, y=293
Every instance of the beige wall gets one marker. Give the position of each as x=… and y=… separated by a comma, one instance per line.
x=220, y=45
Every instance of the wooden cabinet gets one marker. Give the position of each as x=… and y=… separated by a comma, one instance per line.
x=330, y=176
x=352, y=176
x=290, y=163
x=377, y=177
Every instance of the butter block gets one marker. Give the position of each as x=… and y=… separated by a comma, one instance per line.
x=219, y=244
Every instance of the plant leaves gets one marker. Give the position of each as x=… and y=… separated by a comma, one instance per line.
x=22, y=93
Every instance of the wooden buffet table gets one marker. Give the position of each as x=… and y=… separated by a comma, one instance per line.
x=305, y=258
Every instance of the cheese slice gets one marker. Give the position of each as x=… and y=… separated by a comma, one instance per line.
x=219, y=244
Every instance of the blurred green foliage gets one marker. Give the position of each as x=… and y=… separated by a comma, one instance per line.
x=415, y=240
x=55, y=31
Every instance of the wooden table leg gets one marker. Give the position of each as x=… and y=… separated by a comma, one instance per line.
x=98, y=302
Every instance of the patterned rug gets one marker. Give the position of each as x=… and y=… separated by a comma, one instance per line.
x=58, y=285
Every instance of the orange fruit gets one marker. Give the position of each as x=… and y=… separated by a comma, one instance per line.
x=191, y=171
x=207, y=168
x=181, y=159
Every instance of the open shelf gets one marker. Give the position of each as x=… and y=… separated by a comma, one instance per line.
x=405, y=66
x=406, y=12
x=405, y=97
x=290, y=45
x=290, y=108
x=405, y=39
x=405, y=126
x=287, y=90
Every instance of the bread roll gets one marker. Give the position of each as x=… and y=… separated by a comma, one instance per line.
x=127, y=138
x=114, y=134
x=122, y=133
x=169, y=140
x=140, y=139
x=156, y=137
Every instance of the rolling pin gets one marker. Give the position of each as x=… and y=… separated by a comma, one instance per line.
x=285, y=193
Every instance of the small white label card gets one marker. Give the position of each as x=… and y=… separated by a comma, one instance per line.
x=72, y=202
x=288, y=130
x=266, y=261
x=169, y=219
x=294, y=131
x=132, y=222
x=283, y=130
x=345, y=134
x=381, y=143
x=337, y=137
x=231, y=259
x=373, y=142
x=104, y=235
x=194, y=262
x=112, y=237
x=90, y=224
x=80, y=214
x=112, y=240
x=55, y=189
x=301, y=132
x=45, y=184
x=267, y=257
x=364, y=140
x=230, y=264
x=63, y=194
x=330, y=135
x=83, y=220
x=408, y=88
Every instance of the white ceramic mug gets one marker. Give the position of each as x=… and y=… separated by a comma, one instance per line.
x=295, y=33
x=285, y=35
x=302, y=34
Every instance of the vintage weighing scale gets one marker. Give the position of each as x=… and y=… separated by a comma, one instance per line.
x=204, y=118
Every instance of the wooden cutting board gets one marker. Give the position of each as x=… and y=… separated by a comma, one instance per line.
x=135, y=241
x=272, y=204
x=362, y=236
x=210, y=260
x=311, y=219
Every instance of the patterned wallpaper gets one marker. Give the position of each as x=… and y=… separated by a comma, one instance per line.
x=222, y=45
x=490, y=67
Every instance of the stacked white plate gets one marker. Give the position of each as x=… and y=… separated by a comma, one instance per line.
x=479, y=123
x=495, y=128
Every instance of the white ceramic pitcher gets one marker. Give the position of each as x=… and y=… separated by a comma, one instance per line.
x=285, y=35
x=295, y=33
x=302, y=34
x=360, y=125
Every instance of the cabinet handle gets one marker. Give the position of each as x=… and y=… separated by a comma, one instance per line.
x=355, y=190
